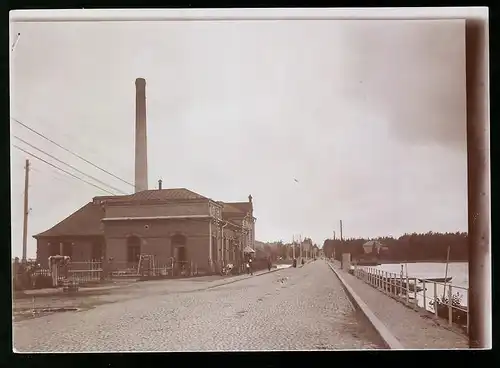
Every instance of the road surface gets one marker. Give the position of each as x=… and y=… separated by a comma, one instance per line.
x=290, y=309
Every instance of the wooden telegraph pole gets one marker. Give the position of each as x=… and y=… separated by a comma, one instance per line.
x=26, y=209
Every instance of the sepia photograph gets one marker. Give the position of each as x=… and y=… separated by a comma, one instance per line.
x=209, y=182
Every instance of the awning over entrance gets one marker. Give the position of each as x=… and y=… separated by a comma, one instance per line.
x=248, y=250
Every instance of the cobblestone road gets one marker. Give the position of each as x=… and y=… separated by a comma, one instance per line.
x=291, y=309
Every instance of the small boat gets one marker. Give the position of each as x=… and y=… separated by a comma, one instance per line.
x=437, y=279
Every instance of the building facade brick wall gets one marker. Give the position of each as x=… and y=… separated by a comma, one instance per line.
x=81, y=248
x=156, y=239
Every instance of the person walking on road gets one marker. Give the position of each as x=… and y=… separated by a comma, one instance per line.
x=269, y=264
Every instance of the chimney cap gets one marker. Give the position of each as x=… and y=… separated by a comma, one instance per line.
x=159, y=184
x=140, y=81
x=250, y=198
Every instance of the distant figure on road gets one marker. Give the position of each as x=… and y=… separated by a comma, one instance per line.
x=269, y=264
x=302, y=261
x=250, y=266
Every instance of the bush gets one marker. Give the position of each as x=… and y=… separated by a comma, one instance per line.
x=457, y=316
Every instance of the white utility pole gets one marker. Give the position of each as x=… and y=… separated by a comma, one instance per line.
x=26, y=208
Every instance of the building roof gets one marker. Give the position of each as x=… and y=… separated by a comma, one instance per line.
x=163, y=194
x=87, y=220
x=235, y=209
x=84, y=222
x=245, y=207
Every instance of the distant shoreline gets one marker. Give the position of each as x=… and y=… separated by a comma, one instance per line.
x=422, y=261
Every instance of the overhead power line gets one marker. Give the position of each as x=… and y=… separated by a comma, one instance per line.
x=56, y=175
x=58, y=168
x=74, y=168
x=71, y=152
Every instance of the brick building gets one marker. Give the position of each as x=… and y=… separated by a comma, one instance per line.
x=163, y=222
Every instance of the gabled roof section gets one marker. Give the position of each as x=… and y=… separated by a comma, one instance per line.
x=163, y=194
x=84, y=222
x=244, y=207
x=229, y=211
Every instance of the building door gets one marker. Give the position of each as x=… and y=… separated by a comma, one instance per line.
x=178, y=242
x=133, y=249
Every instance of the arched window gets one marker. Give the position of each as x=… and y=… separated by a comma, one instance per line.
x=178, y=240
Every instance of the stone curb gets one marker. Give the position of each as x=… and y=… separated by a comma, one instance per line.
x=243, y=278
x=381, y=329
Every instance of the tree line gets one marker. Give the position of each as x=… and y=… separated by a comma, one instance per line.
x=279, y=249
x=430, y=246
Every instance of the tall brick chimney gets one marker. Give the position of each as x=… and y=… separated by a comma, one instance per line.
x=141, y=143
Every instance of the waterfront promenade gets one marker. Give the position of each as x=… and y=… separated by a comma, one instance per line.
x=413, y=329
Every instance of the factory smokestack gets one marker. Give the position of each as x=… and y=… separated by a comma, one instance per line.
x=141, y=143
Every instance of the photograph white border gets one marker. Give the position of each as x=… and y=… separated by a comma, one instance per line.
x=479, y=87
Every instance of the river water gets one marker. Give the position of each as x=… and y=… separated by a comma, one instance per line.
x=459, y=271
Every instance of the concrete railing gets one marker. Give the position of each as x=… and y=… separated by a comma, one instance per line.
x=436, y=297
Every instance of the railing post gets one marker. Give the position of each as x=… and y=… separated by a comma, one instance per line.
x=467, y=317
x=435, y=300
x=401, y=283
x=450, y=309
x=416, y=292
x=407, y=288
x=423, y=286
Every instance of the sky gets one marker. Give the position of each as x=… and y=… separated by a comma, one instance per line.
x=368, y=116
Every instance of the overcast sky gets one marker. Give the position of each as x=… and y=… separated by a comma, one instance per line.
x=368, y=116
